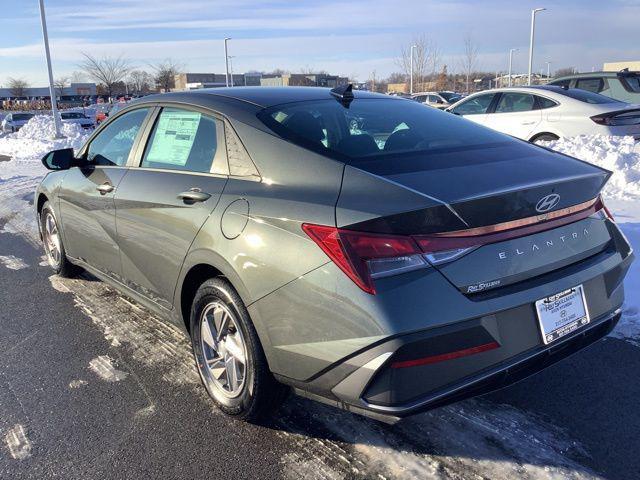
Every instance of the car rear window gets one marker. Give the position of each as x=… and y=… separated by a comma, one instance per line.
x=369, y=129
x=587, y=97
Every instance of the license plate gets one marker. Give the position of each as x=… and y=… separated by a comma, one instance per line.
x=562, y=313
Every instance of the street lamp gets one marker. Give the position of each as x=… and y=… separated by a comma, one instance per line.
x=231, y=57
x=52, y=91
x=226, y=61
x=548, y=70
x=411, y=69
x=511, y=50
x=533, y=29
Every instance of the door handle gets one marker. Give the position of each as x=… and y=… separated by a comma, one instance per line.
x=527, y=123
x=105, y=188
x=194, y=195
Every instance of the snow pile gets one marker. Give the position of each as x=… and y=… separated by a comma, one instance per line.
x=621, y=155
x=41, y=126
x=27, y=146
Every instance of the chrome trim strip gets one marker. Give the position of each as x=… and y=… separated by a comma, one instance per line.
x=522, y=222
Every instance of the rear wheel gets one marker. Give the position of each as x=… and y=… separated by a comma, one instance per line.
x=545, y=137
x=229, y=356
x=53, y=246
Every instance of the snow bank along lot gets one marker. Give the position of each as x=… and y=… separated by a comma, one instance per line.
x=472, y=439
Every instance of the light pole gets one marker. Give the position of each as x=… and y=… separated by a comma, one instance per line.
x=511, y=50
x=548, y=70
x=52, y=91
x=533, y=29
x=226, y=61
x=411, y=69
x=231, y=57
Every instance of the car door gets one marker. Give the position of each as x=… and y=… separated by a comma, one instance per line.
x=87, y=192
x=516, y=114
x=163, y=201
x=475, y=108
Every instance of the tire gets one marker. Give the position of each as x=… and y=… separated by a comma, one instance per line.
x=247, y=391
x=53, y=246
x=545, y=137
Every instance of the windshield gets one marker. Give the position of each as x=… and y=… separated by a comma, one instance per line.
x=20, y=117
x=632, y=81
x=374, y=128
x=450, y=96
x=587, y=97
x=70, y=115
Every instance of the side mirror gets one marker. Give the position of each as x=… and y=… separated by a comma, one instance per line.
x=59, y=159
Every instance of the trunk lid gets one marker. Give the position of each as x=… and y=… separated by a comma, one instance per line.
x=474, y=192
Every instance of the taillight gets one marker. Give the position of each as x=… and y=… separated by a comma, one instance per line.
x=365, y=256
x=617, y=119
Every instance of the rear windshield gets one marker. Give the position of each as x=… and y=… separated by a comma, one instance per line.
x=587, y=97
x=450, y=97
x=22, y=116
x=369, y=129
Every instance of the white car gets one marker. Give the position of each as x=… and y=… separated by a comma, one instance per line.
x=77, y=117
x=544, y=113
x=14, y=121
x=439, y=100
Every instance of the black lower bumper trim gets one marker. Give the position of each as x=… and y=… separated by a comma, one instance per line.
x=504, y=375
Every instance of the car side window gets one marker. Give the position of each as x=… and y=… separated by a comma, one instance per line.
x=515, y=102
x=545, y=102
x=475, y=105
x=183, y=140
x=112, y=145
x=594, y=85
x=561, y=83
x=240, y=163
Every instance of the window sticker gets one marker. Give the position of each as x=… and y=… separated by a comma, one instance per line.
x=174, y=137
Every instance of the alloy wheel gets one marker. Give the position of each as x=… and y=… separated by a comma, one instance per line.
x=51, y=237
x=223, y=348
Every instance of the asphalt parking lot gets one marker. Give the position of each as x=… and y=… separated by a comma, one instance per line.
x=93, y=386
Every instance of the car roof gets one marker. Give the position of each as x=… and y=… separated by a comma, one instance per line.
x=263, y=97
x=595, y=74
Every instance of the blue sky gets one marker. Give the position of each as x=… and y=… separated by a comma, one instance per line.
x=354, y=37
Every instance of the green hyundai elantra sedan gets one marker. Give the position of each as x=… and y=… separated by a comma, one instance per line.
x=356, y=248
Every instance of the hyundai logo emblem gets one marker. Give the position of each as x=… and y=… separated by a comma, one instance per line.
x=547, y=203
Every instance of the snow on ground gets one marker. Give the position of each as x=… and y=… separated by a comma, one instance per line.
x=27, y=146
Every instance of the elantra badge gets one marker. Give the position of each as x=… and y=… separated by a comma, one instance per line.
x=547, y=203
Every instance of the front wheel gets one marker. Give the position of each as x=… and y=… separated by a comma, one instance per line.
x=53, y=246
x=229, y=356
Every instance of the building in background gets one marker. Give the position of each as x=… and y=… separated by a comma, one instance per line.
x=617, y=66
x=73, y=90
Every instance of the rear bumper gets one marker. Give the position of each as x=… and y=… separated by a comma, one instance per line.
x=505, y=373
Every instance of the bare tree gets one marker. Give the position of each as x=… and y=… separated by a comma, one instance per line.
x=106, y=70
x=17, y=86
x=77, y=77
x=165, y=74
x=426, y=57
x=561, y=72
x=59, y=84
x=470, y=59
x=140, y=81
